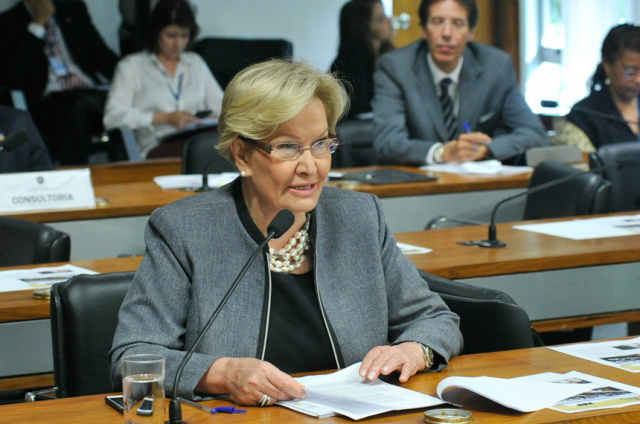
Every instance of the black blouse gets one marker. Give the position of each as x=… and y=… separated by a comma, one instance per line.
x=297, y=338
x=601, y=130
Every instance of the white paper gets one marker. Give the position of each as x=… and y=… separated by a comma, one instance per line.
x=485, y=167
x=346, y=393
x=518, y=394
x=585, y=229
x=193, y=181
x=38, y=278
x=409, y=249
x=606, y=393
x=621, y=354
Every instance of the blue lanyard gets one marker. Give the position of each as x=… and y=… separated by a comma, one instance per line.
x=176, y=94
x=638, y=104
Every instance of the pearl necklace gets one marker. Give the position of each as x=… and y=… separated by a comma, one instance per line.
x=291, y=256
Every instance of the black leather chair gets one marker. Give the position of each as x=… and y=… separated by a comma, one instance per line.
x=228, y=56
x=199, y=152
x=588, y=194
x=25, y=242
x=356, y=144
x=490, y=320
x=624, y=178
x=84, y=315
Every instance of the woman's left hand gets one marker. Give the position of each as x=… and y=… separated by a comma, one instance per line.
x=404, y=357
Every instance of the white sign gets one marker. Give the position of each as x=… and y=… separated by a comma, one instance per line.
x=46, y=190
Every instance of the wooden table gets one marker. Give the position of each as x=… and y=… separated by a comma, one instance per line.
x=561, y=283
x=499, y=364
x=128, y=195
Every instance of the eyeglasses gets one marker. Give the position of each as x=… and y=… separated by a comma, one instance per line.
x=630, y=73
x=292, y=151
x=438, y=23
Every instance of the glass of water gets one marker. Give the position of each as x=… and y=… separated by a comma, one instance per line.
x=143, y=388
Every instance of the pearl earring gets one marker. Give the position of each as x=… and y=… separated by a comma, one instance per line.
x=243, y=174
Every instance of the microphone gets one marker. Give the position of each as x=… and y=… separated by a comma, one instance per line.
x=278, y=226
x=13, y=141
x=492, y=240
x=553, y=103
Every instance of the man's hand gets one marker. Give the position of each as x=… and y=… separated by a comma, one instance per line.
x=468, y=147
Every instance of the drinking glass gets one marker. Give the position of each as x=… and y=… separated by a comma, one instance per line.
x=143, y=388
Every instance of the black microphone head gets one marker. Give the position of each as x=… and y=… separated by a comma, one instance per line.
x=281, y=223
x=14, y=140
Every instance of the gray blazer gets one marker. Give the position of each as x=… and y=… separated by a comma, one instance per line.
x=408, y=116
x=369, y=291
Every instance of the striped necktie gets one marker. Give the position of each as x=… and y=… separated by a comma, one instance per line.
x=53, y=48
x=450, y=122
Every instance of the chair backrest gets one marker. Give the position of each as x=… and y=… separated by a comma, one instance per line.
x=199, y=151
x=490, y=320
x=25, y=242
x=584, y=195
x=356, y=144
x=84, y=315
x=624, y=178
x=228, y=56
x=563, y=153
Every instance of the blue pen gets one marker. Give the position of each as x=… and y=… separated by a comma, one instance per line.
x=467, y=127
x=221, y=409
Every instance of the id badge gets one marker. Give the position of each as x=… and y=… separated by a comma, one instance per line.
x=58, y=66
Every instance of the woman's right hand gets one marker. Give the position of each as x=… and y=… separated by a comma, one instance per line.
x=247, y=379
x=178, y=118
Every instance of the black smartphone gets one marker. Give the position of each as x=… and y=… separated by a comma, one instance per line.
x=117, y=401
x=146, y=407
x=202, y=113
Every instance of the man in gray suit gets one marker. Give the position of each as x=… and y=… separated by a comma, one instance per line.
x=448, y=99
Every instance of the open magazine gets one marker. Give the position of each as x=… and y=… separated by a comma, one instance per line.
x=346, y=393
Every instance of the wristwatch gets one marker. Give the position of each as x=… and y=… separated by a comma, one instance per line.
x=427, y=354
x=438, y=154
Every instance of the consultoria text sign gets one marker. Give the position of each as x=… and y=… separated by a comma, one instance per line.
x=29, y=191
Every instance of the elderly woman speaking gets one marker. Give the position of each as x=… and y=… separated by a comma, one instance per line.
x=333, y=290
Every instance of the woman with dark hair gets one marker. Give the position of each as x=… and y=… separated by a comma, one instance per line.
x=159, y=91
x=365, y=34
x=611, y=112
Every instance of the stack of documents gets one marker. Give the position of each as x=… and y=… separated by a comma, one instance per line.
x=485, y=167
x=193, y=181
x=346, y=393
x=38, y=278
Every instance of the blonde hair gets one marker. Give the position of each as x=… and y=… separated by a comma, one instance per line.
x=265, y=95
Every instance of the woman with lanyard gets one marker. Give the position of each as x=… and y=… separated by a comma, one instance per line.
x=159, y=91
x=611, y=112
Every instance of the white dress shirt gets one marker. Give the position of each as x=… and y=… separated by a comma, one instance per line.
x=141, y=86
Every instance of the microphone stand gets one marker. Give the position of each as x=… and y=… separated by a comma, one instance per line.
x=280, y=224
x=492, y=239
x=205, y=178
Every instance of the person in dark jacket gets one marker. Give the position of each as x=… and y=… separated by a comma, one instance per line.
x=55, y=55
x=32, y=155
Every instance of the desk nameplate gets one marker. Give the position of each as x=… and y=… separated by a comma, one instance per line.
x=46, y=190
